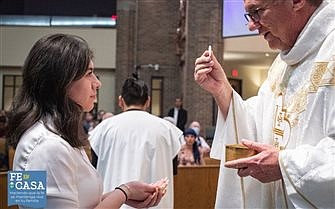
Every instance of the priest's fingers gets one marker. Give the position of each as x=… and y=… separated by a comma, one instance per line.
x=201, y=75
x=259, y=147
x=203, y=63
x=243, y=172
x=203, y=58
x=240, y=163
x=260, y=176
x=203, y=67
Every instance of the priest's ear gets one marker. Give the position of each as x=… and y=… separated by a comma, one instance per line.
x=298, y=4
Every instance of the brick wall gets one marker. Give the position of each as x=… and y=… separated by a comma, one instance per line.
x=146, y=34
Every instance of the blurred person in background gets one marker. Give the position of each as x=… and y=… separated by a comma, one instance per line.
x=205, y=148
x=179, y=114
x=190, y=153
x=135, y=144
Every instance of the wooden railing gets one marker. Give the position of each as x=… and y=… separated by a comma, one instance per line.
x=195, y=187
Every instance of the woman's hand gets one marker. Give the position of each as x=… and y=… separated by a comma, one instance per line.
x=142, y=195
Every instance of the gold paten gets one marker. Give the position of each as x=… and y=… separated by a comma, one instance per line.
x=237, y=151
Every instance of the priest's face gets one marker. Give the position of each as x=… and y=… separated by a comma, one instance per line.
x=274, y=20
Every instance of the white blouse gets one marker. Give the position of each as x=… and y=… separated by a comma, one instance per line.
x=72, y=182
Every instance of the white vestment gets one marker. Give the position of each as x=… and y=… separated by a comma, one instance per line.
x=135, y=145
x=72, y=182
x=294, y=109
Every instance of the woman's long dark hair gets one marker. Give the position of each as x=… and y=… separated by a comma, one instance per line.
x=53, y=63
x=196, y=153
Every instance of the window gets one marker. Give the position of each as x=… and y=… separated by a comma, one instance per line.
x=11, y=84
x=233, y=21
x=156, y=96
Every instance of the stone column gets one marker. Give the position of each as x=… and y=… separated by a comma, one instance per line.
x=203, y=27
x=126, y=12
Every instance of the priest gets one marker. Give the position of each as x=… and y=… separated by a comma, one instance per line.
x=290, y=124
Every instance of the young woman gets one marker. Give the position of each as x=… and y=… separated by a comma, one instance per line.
x=45, y=126
x=190, y=153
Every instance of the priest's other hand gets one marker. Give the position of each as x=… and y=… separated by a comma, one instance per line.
x=264, y=166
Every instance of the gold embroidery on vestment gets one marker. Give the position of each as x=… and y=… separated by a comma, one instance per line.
x=329, y=81
x=289, y=111
x=316, y=76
